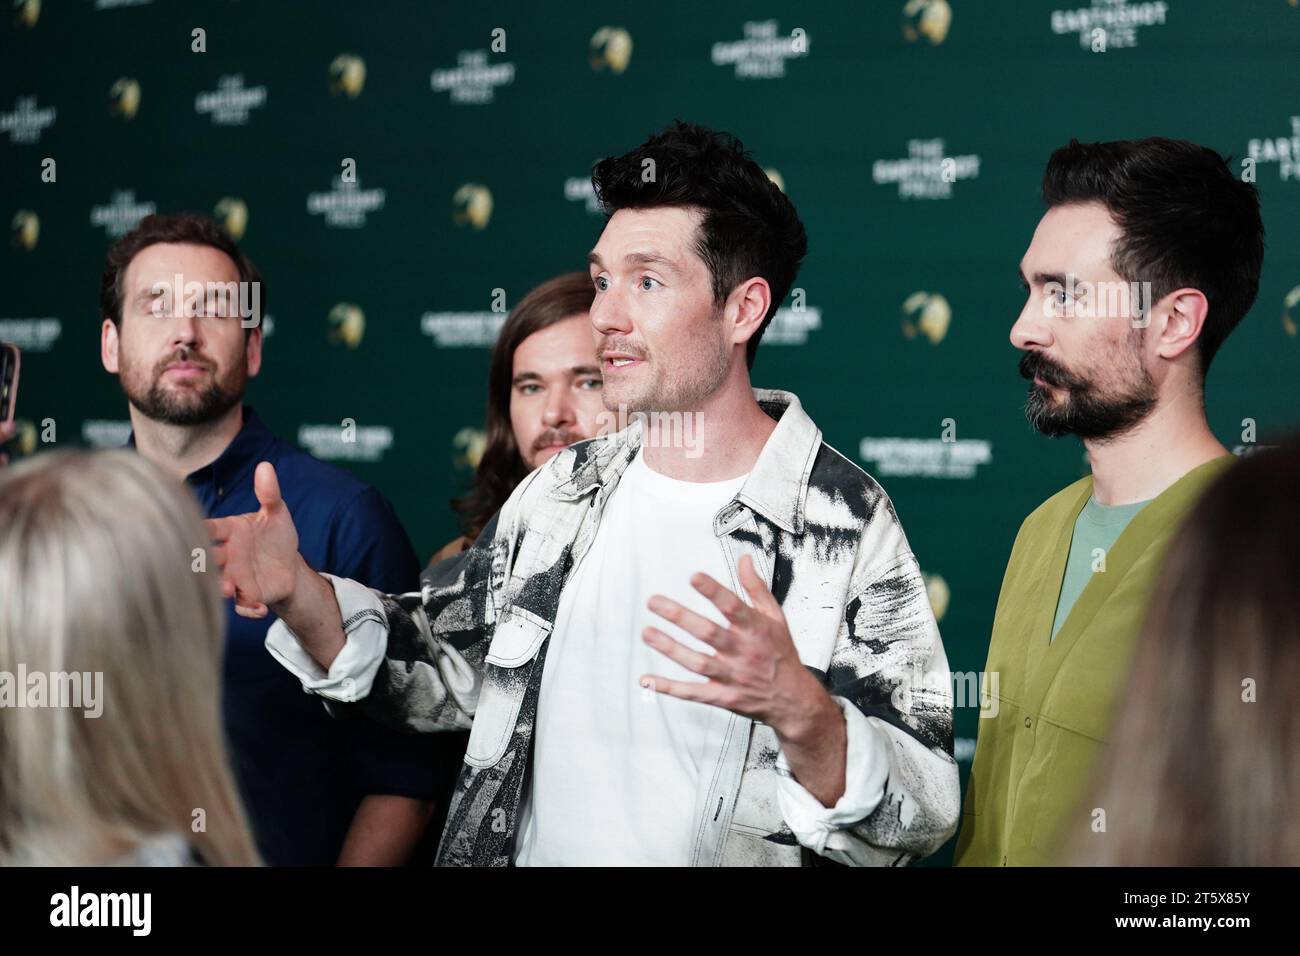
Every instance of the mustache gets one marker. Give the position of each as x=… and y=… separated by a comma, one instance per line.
x=1036, y=364
x=615, y=345
x=183, y=355
x=555, y=436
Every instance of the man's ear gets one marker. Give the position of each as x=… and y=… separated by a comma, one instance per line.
x=1184, y=311
x=108, y=345
x=750, y=301
x=253, y=351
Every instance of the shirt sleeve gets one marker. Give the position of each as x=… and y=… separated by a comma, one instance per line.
x=365, y=631
x=368, y=553
x=866, y=771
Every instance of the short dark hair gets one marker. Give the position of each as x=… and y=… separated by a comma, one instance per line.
x=1186, y=221
x=749, y=228
x=187, y=227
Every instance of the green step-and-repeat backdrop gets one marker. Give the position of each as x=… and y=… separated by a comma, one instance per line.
x=472, y=128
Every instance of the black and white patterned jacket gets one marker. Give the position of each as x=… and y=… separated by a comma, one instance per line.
x=468, y=649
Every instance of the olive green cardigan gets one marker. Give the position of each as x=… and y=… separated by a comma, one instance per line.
x=1053, y=699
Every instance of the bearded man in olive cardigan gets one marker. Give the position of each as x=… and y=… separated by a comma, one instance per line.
x=1147, y=257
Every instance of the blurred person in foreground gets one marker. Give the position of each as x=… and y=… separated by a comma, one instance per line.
x=544, y=394
x=111, y=635
x=1203, y=766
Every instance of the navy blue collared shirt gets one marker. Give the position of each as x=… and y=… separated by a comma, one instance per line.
x=301, y=772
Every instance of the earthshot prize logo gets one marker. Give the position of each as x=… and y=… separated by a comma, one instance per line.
x=762, y=51
x=927, y=172
x=24, y=443
x=1109, y=24
x=791, y=324
x=231, y=102
x=925, y=457
x=27, y=121
x=469, y=445
x=347, y=75
x=346, y=441
x=927, y=315
x=345, y=205
x=471, y=205
x=25, y=229
x=26, y=13
x=231, y=214
x=928, y=19
x=124, y=98
x=1291, y=312
x=1280, y=151
x=31, y=335
x=121, y=214
x=580, y=189
x=105, y=433
x=610, y=49
x=347, y=324
x=473, y=81
x=462, y=330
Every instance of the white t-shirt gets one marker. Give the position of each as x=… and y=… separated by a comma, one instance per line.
x=616, y=767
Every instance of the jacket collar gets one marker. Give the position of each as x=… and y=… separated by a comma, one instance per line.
x=777, y=487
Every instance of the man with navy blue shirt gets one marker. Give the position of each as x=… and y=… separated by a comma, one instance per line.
x=181, y=329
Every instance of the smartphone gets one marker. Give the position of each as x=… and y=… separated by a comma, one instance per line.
x=9, y=361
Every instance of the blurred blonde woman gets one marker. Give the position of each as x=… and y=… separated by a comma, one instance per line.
x=1203, y=762
x=97, y=559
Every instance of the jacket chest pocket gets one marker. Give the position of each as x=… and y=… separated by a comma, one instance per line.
x=517, y=638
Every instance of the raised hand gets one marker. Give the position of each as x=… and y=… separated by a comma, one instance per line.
x=258, y=552
x=755, y=671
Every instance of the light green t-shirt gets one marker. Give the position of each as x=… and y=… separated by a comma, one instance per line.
x=1098, y=526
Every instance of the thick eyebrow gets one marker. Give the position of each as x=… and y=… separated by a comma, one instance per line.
x=534, y=376
x=637, y=259
x=1043, y=278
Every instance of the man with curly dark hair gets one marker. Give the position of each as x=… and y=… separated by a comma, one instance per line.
x=567, y=638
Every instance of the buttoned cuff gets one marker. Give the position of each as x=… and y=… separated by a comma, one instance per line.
x=866, y=771
x=352, y=673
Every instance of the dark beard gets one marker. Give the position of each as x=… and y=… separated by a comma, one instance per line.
x=162, y=406
x=198, y=408
x=1082, y=412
